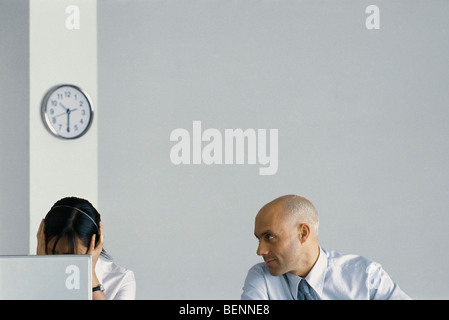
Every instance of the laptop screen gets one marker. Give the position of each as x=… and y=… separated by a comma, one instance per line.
x=46, y=277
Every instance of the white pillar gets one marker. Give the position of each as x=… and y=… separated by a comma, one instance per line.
x=63, y=50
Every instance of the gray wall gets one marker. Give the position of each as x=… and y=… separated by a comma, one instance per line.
x=14, y=131
x=362, y=118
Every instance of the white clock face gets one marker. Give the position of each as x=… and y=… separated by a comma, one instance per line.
x=67, y=112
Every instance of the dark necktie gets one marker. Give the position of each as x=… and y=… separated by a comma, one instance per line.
x=305, y=291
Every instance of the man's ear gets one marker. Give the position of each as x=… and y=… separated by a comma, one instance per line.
x=303, y=232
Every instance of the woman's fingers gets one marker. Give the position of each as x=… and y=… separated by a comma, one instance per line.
x=101, y=239
x=41, y=245
x=40, y=231
x=95, y=249
x=92, y=244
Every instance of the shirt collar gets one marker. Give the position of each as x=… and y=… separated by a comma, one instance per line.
x=315, y=278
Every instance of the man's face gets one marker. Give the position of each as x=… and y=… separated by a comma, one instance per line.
x=278, y=236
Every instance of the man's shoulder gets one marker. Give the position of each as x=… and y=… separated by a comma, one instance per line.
x=260, y=285
x=259, y=268
x=260, y=272
x=338, y=259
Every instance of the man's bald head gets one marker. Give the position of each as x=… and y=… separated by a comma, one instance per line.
x=297, y=208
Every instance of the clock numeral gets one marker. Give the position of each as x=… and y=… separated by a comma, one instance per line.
x=53, y=119
x=52, y=111
x=60, y=96
x=54, y=103
x=81, y=103
x=81, y=121
x=83, y=112
x=76, y=127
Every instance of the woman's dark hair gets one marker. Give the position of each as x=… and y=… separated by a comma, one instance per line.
x=72, y=218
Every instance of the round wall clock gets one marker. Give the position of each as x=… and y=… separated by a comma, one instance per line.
x=66, y=111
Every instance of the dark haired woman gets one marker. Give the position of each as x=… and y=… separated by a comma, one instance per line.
x=73, y=226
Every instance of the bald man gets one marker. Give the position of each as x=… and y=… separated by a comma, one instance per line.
x=295, y=267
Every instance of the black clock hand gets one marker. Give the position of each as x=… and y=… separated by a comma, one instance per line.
x=61, y=114
x=68, y=120
x=63, y=106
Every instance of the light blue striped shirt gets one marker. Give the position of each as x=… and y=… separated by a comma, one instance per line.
x=333, y=277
